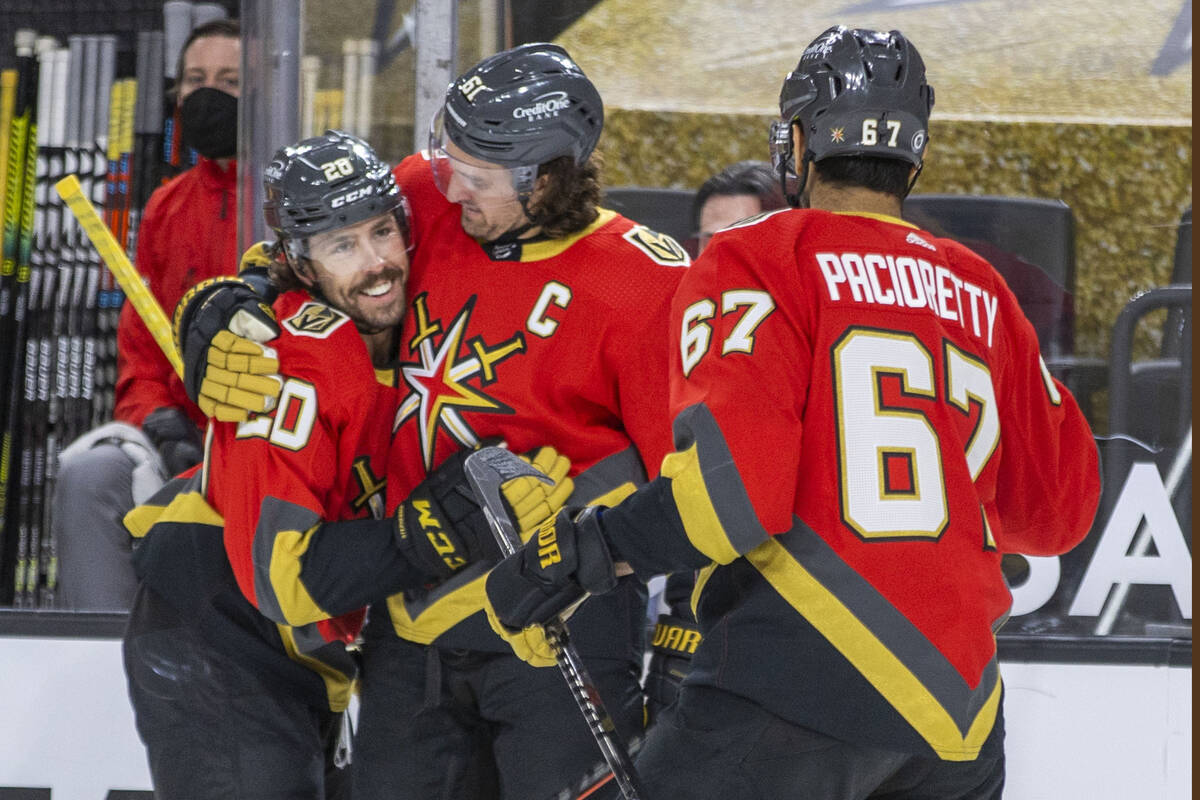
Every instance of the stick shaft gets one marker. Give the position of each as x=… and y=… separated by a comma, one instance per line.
x=485, y=479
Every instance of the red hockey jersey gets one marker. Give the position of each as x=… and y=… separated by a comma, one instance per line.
x=246, y=548
x=319, y=456
x=563, y=343
x=862, y=415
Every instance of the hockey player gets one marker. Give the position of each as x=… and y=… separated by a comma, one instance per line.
x=255, y=568
x=536, y=316
x=863, y=426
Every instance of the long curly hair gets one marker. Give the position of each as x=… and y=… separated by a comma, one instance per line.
x=572, y=195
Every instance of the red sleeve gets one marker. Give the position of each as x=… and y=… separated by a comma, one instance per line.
x=727, y=315
x=143, y=372
x=278, y=478
x=263, y=490
x=273, y=481
x=1048, y=480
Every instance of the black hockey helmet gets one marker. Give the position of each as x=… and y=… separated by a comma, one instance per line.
x=522, y=107
x=855, y=92
x=325, y=183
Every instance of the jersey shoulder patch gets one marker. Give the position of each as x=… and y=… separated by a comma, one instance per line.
x=661, y=249
x=315, y=320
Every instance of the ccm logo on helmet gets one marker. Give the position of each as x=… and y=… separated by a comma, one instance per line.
x=350, y=197
x=547, y=105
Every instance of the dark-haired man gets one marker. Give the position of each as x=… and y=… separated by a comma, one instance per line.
x=863, y=426
x=739, y=191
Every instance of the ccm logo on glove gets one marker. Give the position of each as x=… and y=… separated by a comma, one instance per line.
x=432, y=527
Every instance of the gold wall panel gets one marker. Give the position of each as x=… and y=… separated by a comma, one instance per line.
x=1127, y=185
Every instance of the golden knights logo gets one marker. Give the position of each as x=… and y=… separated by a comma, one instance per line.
x=661, y=248
x=438, y=381
x=315, y=320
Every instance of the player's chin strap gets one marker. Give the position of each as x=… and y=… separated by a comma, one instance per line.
x=508, y=245
x=913, y=181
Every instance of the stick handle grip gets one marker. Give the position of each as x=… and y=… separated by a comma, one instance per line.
x=118, y=263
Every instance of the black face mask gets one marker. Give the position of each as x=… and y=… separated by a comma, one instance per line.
x=209, y=120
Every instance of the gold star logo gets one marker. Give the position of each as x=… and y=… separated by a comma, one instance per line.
x=437, y=381
x=837, y=134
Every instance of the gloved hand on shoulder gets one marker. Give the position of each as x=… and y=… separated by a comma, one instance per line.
x=221, y=326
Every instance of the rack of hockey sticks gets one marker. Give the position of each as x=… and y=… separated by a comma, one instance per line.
x=64, y=110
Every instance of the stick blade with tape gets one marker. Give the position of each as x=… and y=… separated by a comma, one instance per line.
x=487, y=469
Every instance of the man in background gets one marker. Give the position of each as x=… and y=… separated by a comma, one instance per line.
x=739, y=191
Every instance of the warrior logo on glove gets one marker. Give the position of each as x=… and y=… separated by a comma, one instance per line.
x=547, y=544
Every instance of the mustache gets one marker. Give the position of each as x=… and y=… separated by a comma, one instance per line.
x=395, y=274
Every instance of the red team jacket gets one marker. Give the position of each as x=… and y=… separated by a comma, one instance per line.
x=188, y=234
x=263, y=505
x=563, y=344
x=862, y=414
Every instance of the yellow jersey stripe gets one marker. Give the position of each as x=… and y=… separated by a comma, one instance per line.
x=888, y=674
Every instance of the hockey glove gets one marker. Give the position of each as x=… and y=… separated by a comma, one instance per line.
x=565, y=560
x=175, y=437
x=532, y=500
x=220, y=327
x=528, y=644
x=441, y=527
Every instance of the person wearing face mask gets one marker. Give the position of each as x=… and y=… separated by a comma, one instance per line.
x=188, y=234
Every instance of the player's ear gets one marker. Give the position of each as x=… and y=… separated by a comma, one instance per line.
x=540, y=186
x=797, y=141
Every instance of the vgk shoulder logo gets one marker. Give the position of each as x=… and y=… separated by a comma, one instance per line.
x=661, y=248
x=439, y=379
x=315, y=320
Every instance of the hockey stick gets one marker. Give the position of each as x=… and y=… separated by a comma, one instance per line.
x=125, y=273
x=15, y=275
x=486, y=469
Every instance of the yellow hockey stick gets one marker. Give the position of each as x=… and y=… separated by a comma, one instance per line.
x=125, y=273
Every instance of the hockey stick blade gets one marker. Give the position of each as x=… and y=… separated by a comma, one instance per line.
x=487, y=469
